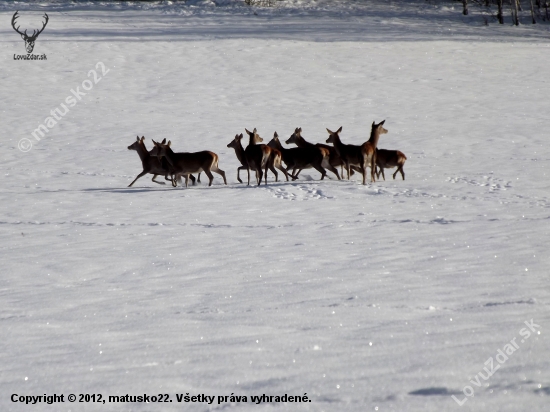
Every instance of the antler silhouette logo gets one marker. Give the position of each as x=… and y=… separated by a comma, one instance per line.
x=29, y=40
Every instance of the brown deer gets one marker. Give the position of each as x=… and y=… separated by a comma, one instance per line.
x=388, y=159
x=186, y=163
x=300, y=157
x=330, y=162
x=260, y=156
x=239, y=151
x=275, y=159
x=151, y=164
x=360, y=156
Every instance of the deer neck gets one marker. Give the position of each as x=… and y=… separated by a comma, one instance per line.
x=142, y=153
x=239, y=151
x=338, y=145
x=374, y=136
x=169, y=156
x=301, y=142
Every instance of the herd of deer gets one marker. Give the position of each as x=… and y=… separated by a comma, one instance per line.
x=162, y=160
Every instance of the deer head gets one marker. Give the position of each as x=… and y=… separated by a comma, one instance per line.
x=136, y=144
x=160, y=149
x=254, y=136
x=236, y=142
x=294, y=137
x=275, y=142
x=379, y=127
x=334, y=136
x=29, y=40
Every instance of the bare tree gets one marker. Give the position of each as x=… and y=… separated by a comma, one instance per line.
x=465, y=7
x=533, y=13
x=514, y=11
x=500, y=15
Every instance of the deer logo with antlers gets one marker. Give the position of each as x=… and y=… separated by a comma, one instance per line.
x=29, y=40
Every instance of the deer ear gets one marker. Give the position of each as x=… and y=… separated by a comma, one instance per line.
x=247, y=131
x=300, y=130
x=169, y=143
x=22, y=36
x=339, y=130
x=382, y=122
x=373, y=123
x=240, y=136
x=254, y=131
x=163, y=141
x=137, y=138
x=275, y=134
x=142, y=138
x=329, y=132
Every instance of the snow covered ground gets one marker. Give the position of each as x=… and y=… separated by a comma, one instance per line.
x=389, y=296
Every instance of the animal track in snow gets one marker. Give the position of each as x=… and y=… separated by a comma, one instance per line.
x=298, y=192
x=484, y=181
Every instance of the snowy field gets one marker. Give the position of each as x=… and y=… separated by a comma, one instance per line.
x=386, y=297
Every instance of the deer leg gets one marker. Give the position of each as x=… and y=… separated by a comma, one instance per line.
x=198, y=178
x=238, y=171
x=372, y=167
x=138, y=176
x=355, y=169
x=282, y=169
x=210, y=177
x=153, y=179
x=220, y=172
x=364, y=173
x=333, y=170
x=274, y=172
x=260, y=173
x=192, y=179
x=400, y=169
x=320, y=169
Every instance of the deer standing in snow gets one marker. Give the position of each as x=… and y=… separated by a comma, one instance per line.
x=239, y=151
x=388, y=159
x=331, y=160
x=300, y=157
x=360, y=156
x=260, y=156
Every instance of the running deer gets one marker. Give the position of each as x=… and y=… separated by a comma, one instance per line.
x=331, y=160
x=186, y=163
x=300, y=157
x=388, y=159
x=260, y=156
x=360, y=156
x=151, y=164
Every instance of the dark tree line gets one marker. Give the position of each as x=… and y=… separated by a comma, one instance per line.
x=536, y=8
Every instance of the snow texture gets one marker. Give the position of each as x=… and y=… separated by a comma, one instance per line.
x=389, y=296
